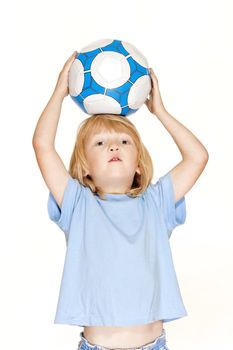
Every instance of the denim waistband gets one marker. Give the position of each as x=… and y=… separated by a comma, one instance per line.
x=155, y=344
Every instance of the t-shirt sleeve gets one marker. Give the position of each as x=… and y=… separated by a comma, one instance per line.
x=62, y=216
x=174, y=213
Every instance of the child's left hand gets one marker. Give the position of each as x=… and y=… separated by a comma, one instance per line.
x=154, y=103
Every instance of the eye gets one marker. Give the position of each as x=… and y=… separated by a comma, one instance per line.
x=99, y=143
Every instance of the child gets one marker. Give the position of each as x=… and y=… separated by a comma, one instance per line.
x=118, y=281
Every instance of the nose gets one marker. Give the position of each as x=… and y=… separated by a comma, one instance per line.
x=113, y=147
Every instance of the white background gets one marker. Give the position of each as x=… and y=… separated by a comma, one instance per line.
x=189, y=46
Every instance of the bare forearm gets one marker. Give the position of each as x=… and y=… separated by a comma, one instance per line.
x=46, y=128
x=189, y=146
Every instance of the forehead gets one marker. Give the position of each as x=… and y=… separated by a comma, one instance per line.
x=108, y=133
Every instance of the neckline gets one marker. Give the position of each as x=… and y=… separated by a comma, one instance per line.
x=117, y=196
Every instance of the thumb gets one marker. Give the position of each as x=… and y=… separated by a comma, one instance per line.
x=146, y=102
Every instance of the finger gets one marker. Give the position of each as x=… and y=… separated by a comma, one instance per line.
x=151, y=77
x=154, y=77
x=70, y=60
x=152, y=84
x=152, y=73
x=72, y=56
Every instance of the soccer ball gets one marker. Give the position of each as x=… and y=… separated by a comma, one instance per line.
x=109, y=76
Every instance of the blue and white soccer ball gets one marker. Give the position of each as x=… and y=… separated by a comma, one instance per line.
x=109, y=76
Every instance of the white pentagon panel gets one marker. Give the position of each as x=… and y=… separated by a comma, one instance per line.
x=76, y=78
x=136, y=54
x=96, y=45
x=110, y=69
x=139, y=92
x=98, y=103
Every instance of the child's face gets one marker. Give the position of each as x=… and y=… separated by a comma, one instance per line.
x=115, y=176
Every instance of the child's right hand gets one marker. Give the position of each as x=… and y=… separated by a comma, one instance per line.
x=62, y=83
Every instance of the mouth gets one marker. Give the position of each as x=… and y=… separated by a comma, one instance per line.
x=115, y=159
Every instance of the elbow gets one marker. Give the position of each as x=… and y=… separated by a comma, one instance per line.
x=205, y=157
x=36, y=142
x=201, y=158
x=39, y=144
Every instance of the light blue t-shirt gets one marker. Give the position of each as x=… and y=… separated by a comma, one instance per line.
x=118, y=268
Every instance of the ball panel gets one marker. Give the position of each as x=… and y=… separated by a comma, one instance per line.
x=116, y=46
x=97, y=88
x=136, y=70
x=76, y=78
x=96, y=45
x=87, y=58
x=79, y=101
x=127, y=111
x=120, y=94
x=98, y=103
x=87, y=81
x=110, y=69
x=139, y=92
x=136, y=54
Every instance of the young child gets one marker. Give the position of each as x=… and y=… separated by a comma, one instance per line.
x=118, y=281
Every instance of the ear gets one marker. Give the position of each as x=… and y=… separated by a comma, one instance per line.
x=138, y=171
x=86, y=173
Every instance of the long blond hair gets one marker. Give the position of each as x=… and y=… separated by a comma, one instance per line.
x=109, y=122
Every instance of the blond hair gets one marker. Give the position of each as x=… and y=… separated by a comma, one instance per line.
x=109, y=122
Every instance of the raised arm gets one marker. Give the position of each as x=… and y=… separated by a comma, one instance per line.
x=194, y=154
x=51, y=166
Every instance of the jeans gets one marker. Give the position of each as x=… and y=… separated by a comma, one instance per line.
x=158, y=344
